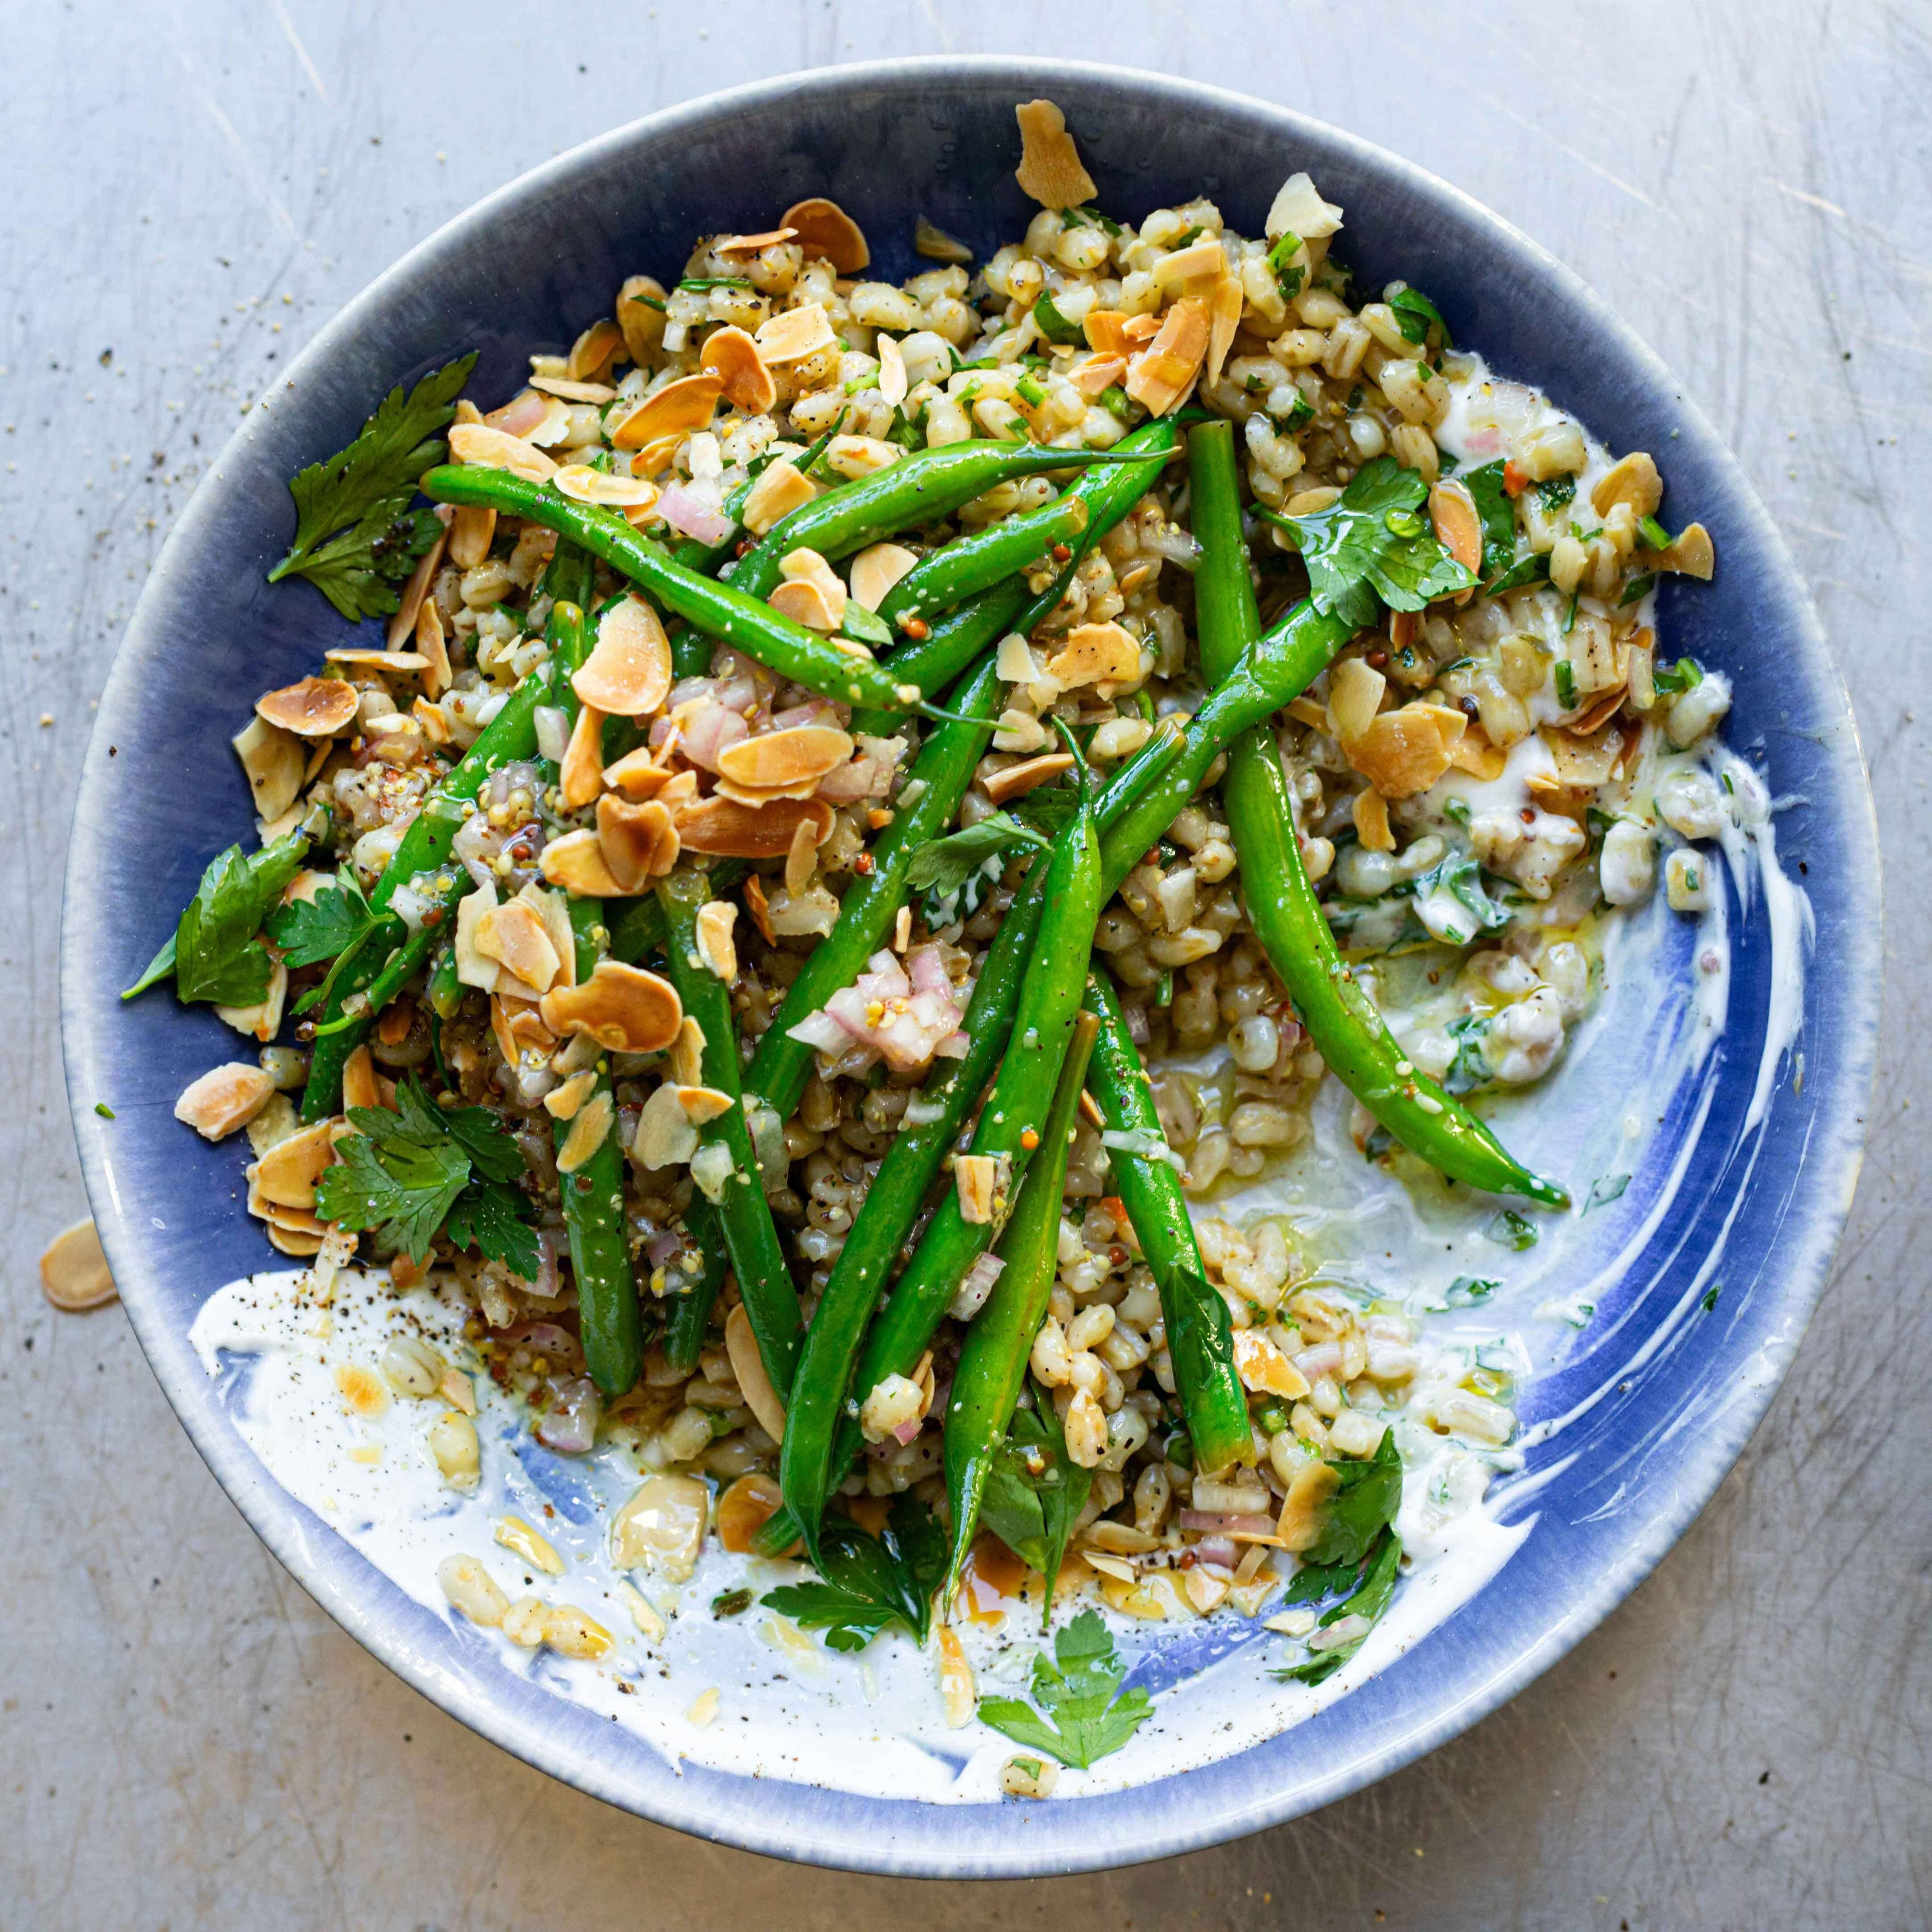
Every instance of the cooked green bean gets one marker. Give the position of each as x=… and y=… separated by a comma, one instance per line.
x=1136, y=806
x=1342, y=1020
x=608, y=1317
x=983, y=558
x=942, y=770
x=1200, y=1336
x=750, y=1238
x=993, y=1360
x=920, y=488
x=1008, y=1130
x=846, y=672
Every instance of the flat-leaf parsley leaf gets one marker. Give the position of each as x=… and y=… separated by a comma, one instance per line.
x=1077, y=1689
x=870, y=1582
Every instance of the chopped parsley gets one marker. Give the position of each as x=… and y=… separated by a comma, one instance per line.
x=1051, y=324
x=1288, y=274
x=1416, y=315
x=1686, y=674
x=215, y=955
x=356, y=537
x=1509, y=1229
x=870, y=1582
x=1035, y=1492
x=1373, y=544
x=1083, y=1715
x=1497, y=515
x=1554, y=494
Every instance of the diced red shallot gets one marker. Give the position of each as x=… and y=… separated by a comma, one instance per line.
x=708, y=731
x=693, y=510
x=664, y=1247
x=558, y=1345
x=979, y=1282
x=1229, y=1522
x=820, y=1030
x=906, y=1432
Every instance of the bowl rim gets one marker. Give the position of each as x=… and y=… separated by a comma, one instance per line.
x=1130, y=1834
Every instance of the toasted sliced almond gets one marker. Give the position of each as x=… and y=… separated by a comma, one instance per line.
x=623, y=1008
x=1265, y=1368
x=1164, y=372
x=726, y=830
x=515, y=936
x=876, y=569
x=1458, y=528
x=687, y=1054
x=553, y=909
x=752, y=1501
x=1050, y=169
x=434, y=652
x=302, y=1246
x=404, y=620
x=472, y=531
x=275, y=761
x=590, y=356
x=794, y=333
x=589, y=1130
x=824, y=229
x=759, y=907
x=1583, y=762
x=975, y=1177
x=655, y=457
x=407, y=664
x=566, y=391
x=1224, y=321
x=637, y=774
x=1112, y=331
x=535, y=1548
x=473, y=969
x=581, y=776
x=639, y=842
x=781, y=489
x=665, y=1137
x=1401, y=752
x=1354, y=696
x=488, y=449
x=803, y=754
x=1192, y=271
x=716, y=948
x=801, y=857
x=1691, y=554
x=751, y=244
x=1301, y=1513
x=748, y=1367
x=892, y=383
x=702, y=1104
x=1370, y=813
x=1598, y=712
x=74, y=1270
x=317, y=707
x=1473, y=753
x=361, y=1085
x=584, y=484
x=1097, y=374
x=640, y=316
x=628, y=673
x=263, y=1020
x=1017, y=780
x=677, y=410
x=576, y=862
x=562, y=1103
x=224, y=1099
x=732, y=356
x=810, y=604
x=1632, y=480
x=936, y=245
x=286, y=1174
x=1096, y=654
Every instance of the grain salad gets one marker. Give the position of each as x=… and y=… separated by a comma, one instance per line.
x=878, y=816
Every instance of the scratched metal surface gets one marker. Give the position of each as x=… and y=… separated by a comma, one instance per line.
x=191, y=189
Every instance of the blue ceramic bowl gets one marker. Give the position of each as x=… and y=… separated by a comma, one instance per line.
x=889, y=142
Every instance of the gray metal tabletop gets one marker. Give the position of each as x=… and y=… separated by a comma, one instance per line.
x=191, y=189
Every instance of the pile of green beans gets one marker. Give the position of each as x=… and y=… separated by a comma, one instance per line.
x=724, y=611
x=744, y=1216
x=944, y=768
x=1135, y=807
x=920, y=488
x=1008, y=1130
x=1340, y=1018
x=1200, y=1335
x=993, y=1362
